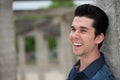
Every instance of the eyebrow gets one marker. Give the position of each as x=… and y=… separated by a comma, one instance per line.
x=84, y=27
x=81, y=27
x=72, y=27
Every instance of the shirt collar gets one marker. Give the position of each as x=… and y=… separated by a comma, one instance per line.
x=93, y=67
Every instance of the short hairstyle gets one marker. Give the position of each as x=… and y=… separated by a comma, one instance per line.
x=98, y=15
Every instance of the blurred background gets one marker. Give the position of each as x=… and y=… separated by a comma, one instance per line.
x=42, y=38
x=34, y=38
x=43, y=50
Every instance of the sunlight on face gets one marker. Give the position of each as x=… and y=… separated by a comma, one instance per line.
x=82, y=36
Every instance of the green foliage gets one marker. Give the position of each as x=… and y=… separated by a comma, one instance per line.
x=61, y=3
x=29, y=44
x=52, y=43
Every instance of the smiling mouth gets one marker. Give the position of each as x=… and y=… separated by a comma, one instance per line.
x=76, y=44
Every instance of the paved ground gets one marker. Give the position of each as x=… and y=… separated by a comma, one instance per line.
x=53, y=74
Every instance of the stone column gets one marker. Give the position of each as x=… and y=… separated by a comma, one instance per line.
x=65, y=54
x=21, y=57
x=111, y=46
x=8, y=68
x=41, y=53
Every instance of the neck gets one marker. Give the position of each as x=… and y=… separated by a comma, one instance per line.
x=86, y=60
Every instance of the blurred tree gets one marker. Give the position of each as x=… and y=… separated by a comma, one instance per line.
x=29, y=44
x=52, y=43
x=61, y=3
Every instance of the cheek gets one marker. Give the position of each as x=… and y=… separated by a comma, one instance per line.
x=89, y=40
x=70, y=36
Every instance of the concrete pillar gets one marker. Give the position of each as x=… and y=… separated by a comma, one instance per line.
x=8, y=68
x=41, y=53
x=111, y=46
x=22, y=57
x=65, y=54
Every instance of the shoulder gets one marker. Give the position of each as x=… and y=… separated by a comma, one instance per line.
x=104, y=74
x=71, y=74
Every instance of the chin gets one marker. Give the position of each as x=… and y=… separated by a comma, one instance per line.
x=77, y=53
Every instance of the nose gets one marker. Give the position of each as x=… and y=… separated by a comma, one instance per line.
x=77, y=35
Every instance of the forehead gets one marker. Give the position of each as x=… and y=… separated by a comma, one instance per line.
x=82, y=21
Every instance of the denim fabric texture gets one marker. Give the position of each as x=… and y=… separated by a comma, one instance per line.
x=97, y=70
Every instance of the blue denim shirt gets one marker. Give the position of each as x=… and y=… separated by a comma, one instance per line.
x=98, y=70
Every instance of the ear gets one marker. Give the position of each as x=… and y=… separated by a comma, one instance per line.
x=99, y=38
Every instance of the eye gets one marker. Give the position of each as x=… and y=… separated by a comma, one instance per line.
x=72, y=29
x=83, y=30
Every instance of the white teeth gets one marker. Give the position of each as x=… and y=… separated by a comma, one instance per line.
x=77, y=44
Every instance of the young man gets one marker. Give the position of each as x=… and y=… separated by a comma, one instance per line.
x=87, y=34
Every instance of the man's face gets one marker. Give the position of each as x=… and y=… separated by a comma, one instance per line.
x=82, y=36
